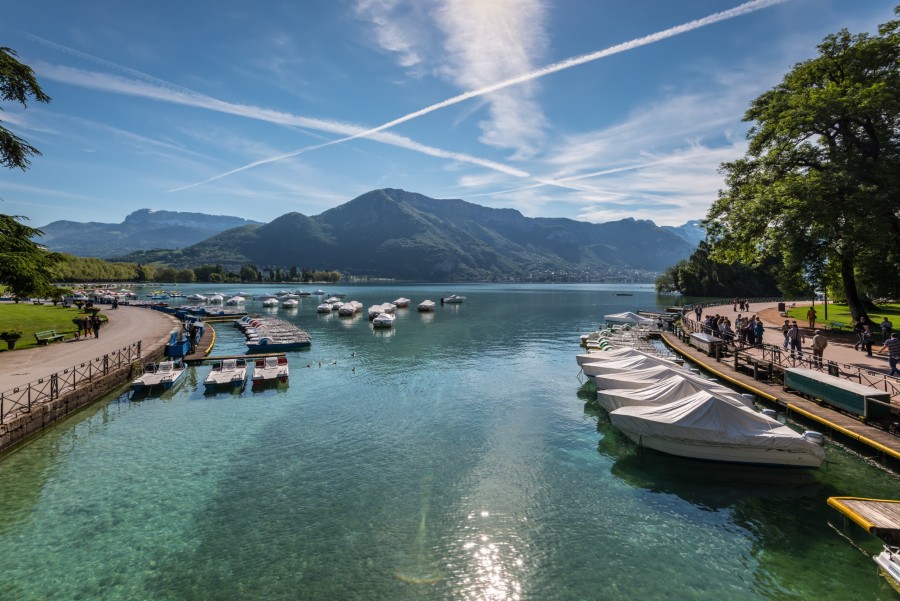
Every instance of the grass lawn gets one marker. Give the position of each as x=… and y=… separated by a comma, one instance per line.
x=842, y=313
x=31, y=318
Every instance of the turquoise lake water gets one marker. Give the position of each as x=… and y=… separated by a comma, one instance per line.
x=449, y=458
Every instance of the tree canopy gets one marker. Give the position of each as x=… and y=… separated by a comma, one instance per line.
x=818, y=188
x=24, y=265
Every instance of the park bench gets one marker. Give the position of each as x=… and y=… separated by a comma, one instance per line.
x=47, y=336
x=38, y=301
x=836, y=326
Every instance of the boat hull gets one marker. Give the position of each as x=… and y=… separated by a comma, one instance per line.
x=727, y=454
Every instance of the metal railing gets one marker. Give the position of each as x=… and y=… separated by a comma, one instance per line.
x=24, y=398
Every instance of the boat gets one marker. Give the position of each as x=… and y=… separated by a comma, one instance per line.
x=299, y=292
x=265, y=296
x=623, y=294
x=453, y=298
x=227, y=373
x=628, y=318
x=606, y=355
x=270, y=302
x=235, y=300
x=889, y=565
x=268, y=370
x=666, y=391
x=290, y=303
x=401, y=303
x=196, y=297
x=426, y=306
x=383, y=320
x=215, y=299
x=162, y=375
x=324, y=308
x=638, y=378
x=319, y=292
x=350, y=308
x=625, y=364
x=705, y=426
x=376, y=310
x=881, y=518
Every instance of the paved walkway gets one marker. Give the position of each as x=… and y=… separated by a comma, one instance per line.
x=126, y=325
x=840, y=344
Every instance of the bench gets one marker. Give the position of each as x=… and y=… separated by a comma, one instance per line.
x=38, y=302
x=47, y=336
x=836, y=326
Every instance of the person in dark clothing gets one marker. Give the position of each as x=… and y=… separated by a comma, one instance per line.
x=95, y=325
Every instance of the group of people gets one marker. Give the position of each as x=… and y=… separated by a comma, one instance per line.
x=740, y=304
x=747, y=330
x=87, y=326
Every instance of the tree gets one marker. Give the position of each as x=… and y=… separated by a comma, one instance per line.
x=24, y=265
x=819, y=188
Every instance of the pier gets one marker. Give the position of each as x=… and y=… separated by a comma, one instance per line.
x=879, y=517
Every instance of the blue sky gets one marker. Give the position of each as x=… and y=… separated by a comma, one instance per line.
x=259, y=109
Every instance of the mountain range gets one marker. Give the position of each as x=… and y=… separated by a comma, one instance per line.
x=141, y=230
x=397, y=234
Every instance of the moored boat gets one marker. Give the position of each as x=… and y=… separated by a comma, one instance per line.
x=426, y=306
x=453, y=298
x=270, y=302
x=162, y=375
x=383, y=320
x=401, y=303
x=227, y=373
x=290, y=303
x=268, y=370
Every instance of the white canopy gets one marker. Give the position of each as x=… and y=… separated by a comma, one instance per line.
x=627, y=317
x=705, y=419
x=610, y=355
x=665, y=391
x=638, y=378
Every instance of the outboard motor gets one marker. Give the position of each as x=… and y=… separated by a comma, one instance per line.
x=769, y=413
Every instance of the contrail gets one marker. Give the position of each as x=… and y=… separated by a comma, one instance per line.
x=738, y=11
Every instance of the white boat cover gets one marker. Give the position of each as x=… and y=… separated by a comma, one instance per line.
x=638, y=378
x=625, y=364
x=627, y=317
x=665, y=391
x=601, y=355
x=705, y=419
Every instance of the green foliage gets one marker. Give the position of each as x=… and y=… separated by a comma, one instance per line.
x=701, y=275
x=31, y=318
x=818, y=190
x=17, y=83
x=24, y=265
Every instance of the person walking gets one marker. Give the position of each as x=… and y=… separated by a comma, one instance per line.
x=886, y=328
x=892, y=345
x=867, y=340
x=858, y=330
x=811, y=317
x=797, y=339
x=819, y=342
x=758, y=330
x=95, y=325
x=784, y=331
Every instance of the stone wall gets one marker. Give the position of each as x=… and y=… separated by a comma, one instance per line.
x=24, y=425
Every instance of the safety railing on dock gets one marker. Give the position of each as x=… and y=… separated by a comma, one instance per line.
x=25, y=397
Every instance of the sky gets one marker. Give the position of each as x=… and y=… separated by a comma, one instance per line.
x=595, y=110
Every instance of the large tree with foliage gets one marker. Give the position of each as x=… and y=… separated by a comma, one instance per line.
x=24, y=265
x=818, y=188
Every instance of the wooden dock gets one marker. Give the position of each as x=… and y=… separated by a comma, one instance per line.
x=886, y=445
x=204, y=347
x=252, y=357
x=880, y=517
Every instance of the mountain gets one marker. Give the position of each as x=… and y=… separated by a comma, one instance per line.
x=691, y=232
x=143, y=229
x=403, y=235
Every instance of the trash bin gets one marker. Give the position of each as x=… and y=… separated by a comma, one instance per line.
x=781, y=307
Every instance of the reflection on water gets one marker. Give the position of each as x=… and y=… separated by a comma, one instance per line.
x=449, y=458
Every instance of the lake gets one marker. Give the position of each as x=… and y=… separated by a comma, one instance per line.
x=451, y=457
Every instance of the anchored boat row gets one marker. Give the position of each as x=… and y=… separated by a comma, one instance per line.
x=229, y=373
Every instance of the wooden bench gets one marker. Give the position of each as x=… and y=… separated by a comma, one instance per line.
x=38, y=302
x=47, y=336
x=836, y=326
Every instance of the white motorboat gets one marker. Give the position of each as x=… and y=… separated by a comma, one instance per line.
x=625, y=364
x=426, y=306
x=608, y=355
x=196, y=297
x=265, y=296
x=226, y=373
x=235, y=300
x=215, y=299
x=705, y=426
x=290, y=303
x=383, y=320
x=324, y=308
x=319, y=292
x=452, y=299
x=889, y=565
x=665, y=391
x=270, y=302
x=628, y=318
x=401, y=303
x=268, y=370
x=162, y=375
x=350, y=308
x=638, y=378
x=376, y=310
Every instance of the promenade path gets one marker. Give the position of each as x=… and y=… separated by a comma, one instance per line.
x=126, y=325
x=840, y=344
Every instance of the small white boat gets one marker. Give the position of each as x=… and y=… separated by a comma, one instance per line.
x=290, y=303
x=265, y=296
x=401, y=303
x=453, y=298
x=624, y=365
x=383, y=320
x=350, y=308
x=704, y=426
x=667, y=391
x=162, y=375
x=196, y=297
x=270, y=302
x=267, y=370
x=889, y=564
x=319, y=292
x=215, y=299
x=324, y=308
x=226, y=373
x=628, y=318
x=426, y=306
x=235, y=300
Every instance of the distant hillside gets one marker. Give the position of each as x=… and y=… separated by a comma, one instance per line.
x=143, y=229
x=692, y=231
x=393, y=233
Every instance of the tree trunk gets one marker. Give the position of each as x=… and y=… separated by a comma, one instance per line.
x=848, y=279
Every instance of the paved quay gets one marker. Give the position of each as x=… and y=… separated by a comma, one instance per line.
x=840, y=344
x=126, y=325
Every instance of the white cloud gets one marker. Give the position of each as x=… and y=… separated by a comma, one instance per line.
x=395, y=30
